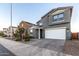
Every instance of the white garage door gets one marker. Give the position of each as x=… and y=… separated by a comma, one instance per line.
x=57, y=33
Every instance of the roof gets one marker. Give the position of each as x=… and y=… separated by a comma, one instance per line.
x=4, y=28
x=59, y=8
x=27, y=22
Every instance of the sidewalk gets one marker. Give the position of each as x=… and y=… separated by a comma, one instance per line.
x=21, y=49
x=5, y=52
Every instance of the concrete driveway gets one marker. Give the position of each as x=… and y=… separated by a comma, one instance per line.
x=55, y=45
x=35, y=47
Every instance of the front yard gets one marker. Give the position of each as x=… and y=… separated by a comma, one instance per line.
x=72, y=47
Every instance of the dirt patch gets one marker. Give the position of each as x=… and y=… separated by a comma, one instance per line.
x=72, y=47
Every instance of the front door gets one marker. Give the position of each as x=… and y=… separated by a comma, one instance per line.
x=41, y=33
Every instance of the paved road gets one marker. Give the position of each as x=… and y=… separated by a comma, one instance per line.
x=5, y=52
x=35, y=47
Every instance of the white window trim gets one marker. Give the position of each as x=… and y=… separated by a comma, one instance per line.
x=58, y=21
x=58, y=18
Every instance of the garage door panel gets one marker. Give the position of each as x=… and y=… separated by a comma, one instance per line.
x=55, y=33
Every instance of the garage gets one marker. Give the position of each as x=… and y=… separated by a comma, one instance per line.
x=55, y=33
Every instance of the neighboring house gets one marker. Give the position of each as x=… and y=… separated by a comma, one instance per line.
x=27, y=26
x=55, y=24
x=13, y=30
x=7, y=31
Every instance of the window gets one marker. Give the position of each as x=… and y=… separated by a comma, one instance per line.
x=55, y=18
x=58, y=17
x=61, y=15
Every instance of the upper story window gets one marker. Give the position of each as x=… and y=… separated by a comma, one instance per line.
x=55, y=17
x=61, y=15
x=58, y=17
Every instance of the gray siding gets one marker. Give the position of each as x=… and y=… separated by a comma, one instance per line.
x=35, y=33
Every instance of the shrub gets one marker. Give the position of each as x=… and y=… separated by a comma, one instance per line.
x=17, y=36
x=2, y=34
x=21, y=34
x=26, y=36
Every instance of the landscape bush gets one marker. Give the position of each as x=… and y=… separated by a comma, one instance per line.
x=26, y=36
x=17, y=36
x=21, y=35
x=2, y=34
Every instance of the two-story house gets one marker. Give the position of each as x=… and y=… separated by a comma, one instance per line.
x=55, y=24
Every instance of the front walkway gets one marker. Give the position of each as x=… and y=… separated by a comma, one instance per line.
x=34, y=47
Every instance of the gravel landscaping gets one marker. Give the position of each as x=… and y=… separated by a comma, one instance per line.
x=72, y=47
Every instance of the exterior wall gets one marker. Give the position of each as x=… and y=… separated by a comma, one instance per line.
x=68, y=34
x=35, y=33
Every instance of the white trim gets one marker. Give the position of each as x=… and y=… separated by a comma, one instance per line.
x=58, y=21
x=39, y=33
x=58, y=12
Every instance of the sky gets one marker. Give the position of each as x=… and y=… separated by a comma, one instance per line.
x=32, y=12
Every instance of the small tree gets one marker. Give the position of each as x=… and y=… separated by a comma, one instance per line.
x=22, y=34
x=21, y=31
x=18, y=34
x=26, y=36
